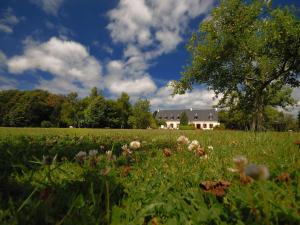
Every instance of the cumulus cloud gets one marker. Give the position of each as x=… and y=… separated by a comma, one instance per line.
x=197, y=98
x=49, y=6
x=69, y=62
x=117, y=81
x=148, y=29
x=161, y=23
x=8, y=20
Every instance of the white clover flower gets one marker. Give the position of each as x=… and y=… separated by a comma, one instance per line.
x=182, y=140
x=80, y=157
x=126, y=150
x=135, y=145
x=240, y=161
x=210, y=148
x=257, y=172
x=193, y=145
x=93, y=153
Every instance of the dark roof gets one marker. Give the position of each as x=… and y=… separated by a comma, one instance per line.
x=194, y=114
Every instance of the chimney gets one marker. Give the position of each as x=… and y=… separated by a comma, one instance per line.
x=191, y=109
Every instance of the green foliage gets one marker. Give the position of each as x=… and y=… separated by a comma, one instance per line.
x=31, y=108
x=46, y=124
x=249, y=52
x=184, y=120
x=273, y=120
x=187, y=127
x=141, y=117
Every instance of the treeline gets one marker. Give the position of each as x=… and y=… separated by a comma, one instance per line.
x=40, y=108
x=273, y=120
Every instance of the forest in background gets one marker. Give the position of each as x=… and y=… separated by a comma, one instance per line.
x=39, y=108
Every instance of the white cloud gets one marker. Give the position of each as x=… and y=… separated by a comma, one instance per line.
x=8, y=20
x=148, y=29
x=156, y=22
x=197, y=98
x=49, y=6
x=69, y=62
x=117, y=82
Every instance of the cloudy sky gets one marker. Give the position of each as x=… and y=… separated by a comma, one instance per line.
x=133, y=46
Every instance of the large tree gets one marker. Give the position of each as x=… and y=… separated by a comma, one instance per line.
x=141, y=116
x=250, y=53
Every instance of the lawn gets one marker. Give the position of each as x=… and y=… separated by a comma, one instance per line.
x=45, y=181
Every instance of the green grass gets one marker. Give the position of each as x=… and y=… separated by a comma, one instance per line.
x=164, y=189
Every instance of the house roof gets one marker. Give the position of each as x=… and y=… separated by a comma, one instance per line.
x=193, y=114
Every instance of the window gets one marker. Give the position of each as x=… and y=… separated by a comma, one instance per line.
x=198, y=126
x=171, y=125
x=160, y=117
x=211, y=126
x=204, y=125
x=166, y=117
x=196, y=116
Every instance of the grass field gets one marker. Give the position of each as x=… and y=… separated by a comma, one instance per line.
x=43, y=182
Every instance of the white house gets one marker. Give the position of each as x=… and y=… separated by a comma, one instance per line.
x=205, y=119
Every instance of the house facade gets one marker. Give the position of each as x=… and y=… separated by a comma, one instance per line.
x=205, y=119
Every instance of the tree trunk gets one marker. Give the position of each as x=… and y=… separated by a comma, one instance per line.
x=258, y=110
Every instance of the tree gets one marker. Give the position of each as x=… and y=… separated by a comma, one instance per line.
x=141, y=116
x=95, y=112
x=248, y=52
x=94, y=92
x=184, y=120
x=124, y=108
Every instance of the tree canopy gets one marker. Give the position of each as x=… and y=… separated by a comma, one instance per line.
x=41, y=108
x=249, y=54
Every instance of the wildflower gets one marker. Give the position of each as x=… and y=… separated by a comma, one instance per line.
x=167, y=152
x=240, y=162
x=193, y=145
x=257, y=172
x=93, y=153
x=200, y=152
x=135, y=145
x=284, y=177
x=210, y=148
x=126, y=150
x=80, y=157
x=182, y=140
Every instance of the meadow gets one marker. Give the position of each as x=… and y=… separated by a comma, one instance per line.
x=88, y=176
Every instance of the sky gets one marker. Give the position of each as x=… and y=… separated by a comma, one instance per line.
x=132, y=46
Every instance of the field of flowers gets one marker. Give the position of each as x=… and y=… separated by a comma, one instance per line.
x=91, y=176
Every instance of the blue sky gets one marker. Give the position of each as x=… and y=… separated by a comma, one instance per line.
x=133, y=46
